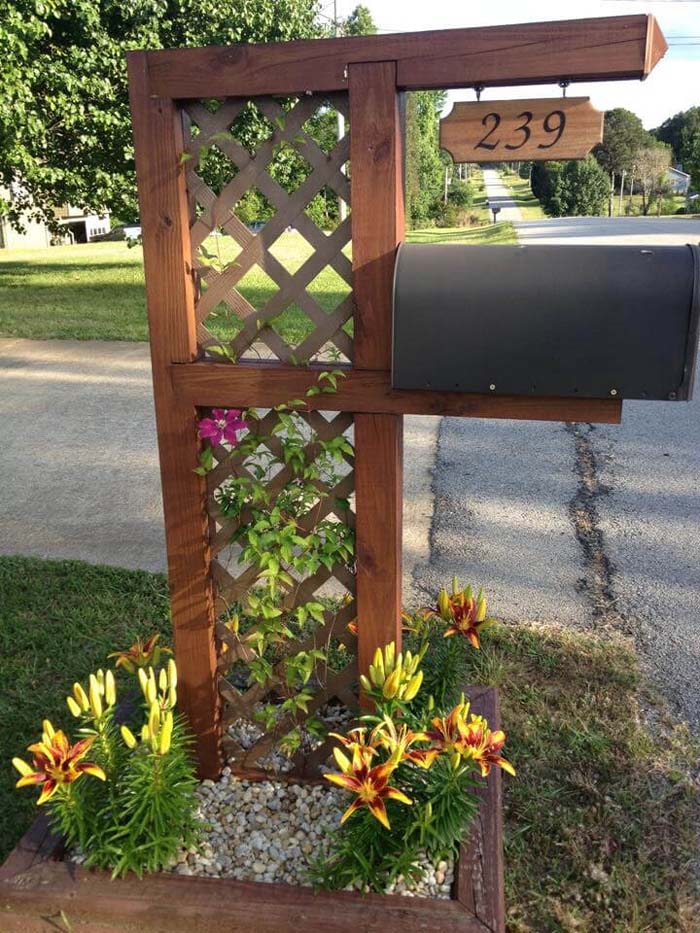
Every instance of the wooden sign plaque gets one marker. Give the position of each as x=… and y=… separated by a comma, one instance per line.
x=509, y=130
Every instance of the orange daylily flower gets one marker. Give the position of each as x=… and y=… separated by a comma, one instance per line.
x=56, y=763
x=370, y=784
x=465, y=614
x=470, y=738
x=355, y=743
x=352, y=627
x=140, y=654
x=484, y=746
x=399, y=741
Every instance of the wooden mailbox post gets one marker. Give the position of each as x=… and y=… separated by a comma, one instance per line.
x=372, y=72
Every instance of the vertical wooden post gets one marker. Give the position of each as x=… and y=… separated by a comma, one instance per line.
x=377, y=229
x=171, y=317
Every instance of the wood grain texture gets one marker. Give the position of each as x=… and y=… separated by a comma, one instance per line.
x=35, y=886
x=266, y=384
x=171, y=319
x=483, y=131
x=601, y=49
x=479, y=879
x=377, y=229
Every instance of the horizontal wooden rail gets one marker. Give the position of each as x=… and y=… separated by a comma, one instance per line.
x=266, y=384
x=602, y=49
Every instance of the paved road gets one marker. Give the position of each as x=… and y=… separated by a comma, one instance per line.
x=506, y=494
x=645, y=231
x=80, y=466
x=498, y=194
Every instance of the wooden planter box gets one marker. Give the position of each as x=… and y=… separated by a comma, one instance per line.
x=36, y=885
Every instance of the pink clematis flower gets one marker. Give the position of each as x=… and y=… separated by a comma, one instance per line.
x=224, y=425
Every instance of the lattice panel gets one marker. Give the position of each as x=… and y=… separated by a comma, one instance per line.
x=282, y=291
x=334, y=686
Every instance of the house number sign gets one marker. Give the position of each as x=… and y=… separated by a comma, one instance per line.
x=522, y=130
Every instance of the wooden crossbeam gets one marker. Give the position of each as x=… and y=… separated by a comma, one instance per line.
x=266, y=384
x=601, y=49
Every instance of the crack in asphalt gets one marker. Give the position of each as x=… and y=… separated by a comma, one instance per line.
x=598, y=583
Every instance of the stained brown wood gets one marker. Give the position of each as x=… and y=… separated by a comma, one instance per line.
x=35, y=886
x=479, y=881
x=170, y=299
x=602, y=49
x=377, y=229
x=265, y=384
x=503, y=130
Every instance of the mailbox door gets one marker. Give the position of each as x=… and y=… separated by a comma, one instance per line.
x=588, y=321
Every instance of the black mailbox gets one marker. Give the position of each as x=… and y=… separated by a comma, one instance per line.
x=585, y=321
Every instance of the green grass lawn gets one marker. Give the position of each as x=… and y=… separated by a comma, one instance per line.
x=521, y=192
x=601, y=821
x=95, y=291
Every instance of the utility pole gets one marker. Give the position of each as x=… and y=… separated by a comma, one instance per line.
x=342, y=206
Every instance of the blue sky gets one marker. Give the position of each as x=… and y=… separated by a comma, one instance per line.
x=674, y=84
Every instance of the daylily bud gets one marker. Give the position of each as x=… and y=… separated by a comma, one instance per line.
x=378, y=663
x=95, y=698
x=429, y=811
x=431, y=703
x=455, y=586
x=145, y=733
x=391, y=684
x=154, y=718
x=110, y=689
x=413, y=686
x=444, y=604
x=455, y=760
x=48, y=729
x=172, y=698
x=143, y=681
x=390, y=656
x=151, y=689
x=128, y=736
x=73, y=707
x=162, y=680
x=100, y=678
x=156, y=656
x=81, y=697
x=166, y=734
x=365, y=684
x=172, y=673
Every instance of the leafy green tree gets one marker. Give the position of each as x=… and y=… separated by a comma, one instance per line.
x=623, y=138
x=574, y=188
x=680, y=133
x=65, y=133
x=652, y=165
x=359, y=23
x=586, y=188
x=424, y=167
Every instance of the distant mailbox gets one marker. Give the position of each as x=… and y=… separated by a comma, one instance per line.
x=586, y=321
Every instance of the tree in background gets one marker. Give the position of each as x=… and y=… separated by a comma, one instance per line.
x=651, y=167
x=682, y=133
x=623, y=137
x=65, y=131
x=358, y=23
x=576, y=188
x=424, y=168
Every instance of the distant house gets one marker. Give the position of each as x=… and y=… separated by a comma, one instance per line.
x=75, y=227
x=678, y=180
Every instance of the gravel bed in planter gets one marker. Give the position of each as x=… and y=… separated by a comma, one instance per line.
x=271, y=830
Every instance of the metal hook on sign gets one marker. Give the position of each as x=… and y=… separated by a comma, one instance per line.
x=563, y=85
x=478, y=88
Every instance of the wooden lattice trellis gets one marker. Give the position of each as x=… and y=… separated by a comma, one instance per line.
x=234, y=580
x=220, y=125
x=212, y=211
x=174, y=115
